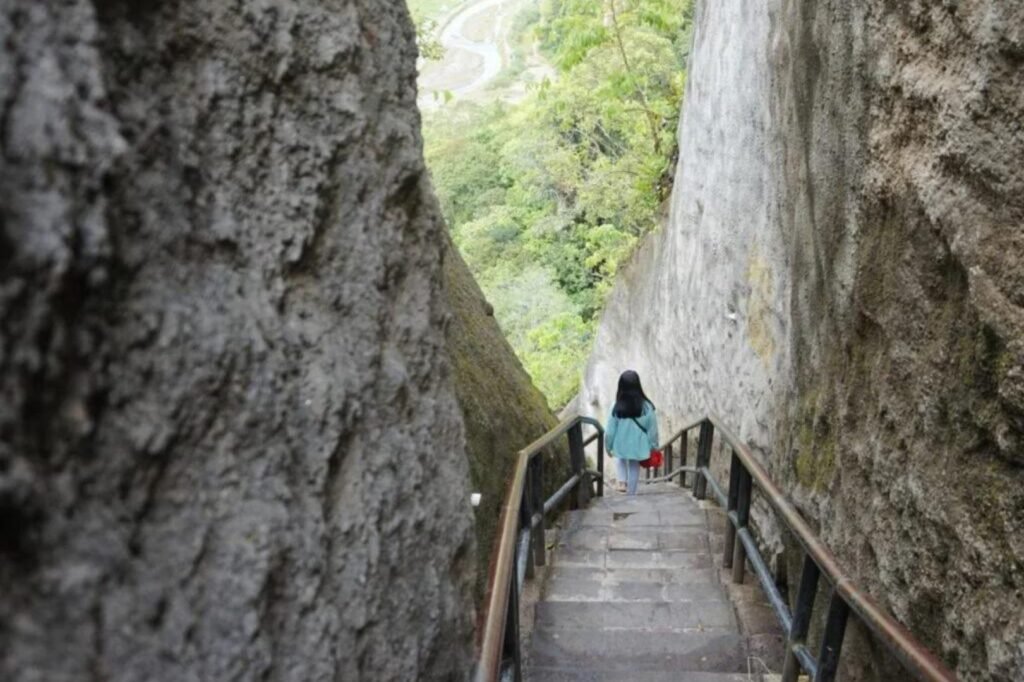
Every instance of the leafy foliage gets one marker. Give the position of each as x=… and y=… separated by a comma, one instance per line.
x=425, y=15
x=428, y=41
x=546, y=198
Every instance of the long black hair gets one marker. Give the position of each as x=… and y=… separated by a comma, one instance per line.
x=630, y=398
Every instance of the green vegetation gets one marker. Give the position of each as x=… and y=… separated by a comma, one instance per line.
x=430, y=9
x=546, y=198
x=425, y=15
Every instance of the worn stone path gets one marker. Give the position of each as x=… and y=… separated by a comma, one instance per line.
x=633, y=593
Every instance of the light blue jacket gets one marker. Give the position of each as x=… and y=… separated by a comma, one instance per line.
x=624, y=439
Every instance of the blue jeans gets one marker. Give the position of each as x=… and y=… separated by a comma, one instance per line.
x=628, y=471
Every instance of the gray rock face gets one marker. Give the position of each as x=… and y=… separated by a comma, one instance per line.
x=229, y=446
x=842, y=280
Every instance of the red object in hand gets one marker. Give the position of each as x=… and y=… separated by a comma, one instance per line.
x=653, y=461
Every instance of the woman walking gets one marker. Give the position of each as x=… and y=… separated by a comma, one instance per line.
x=631, y=431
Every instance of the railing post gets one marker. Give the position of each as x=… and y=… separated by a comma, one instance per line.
x=572, y=465
x=684, y=443
x=739, y=554
x=707, y=434
x=668, y=459
x=579, y=464
x=832, y=640
x=511, y=648
x=734, y=491
x=801, y=617
x=600, y=464
x=526, y=507
x=536, y=493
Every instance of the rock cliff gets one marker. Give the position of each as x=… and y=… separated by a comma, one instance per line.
x=502, y=410
x=230, y=448
x=842, y=279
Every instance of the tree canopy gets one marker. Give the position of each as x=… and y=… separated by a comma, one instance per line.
x=546, y=198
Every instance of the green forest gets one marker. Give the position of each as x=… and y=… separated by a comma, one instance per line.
x=548, y=196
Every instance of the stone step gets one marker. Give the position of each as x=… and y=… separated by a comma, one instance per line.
x=649, y=494
x=629, y=517
x=661, y=576
x=631, y=652
x=646, y=538
x=675, y=617
x=643, y=503
x=633, y=592
x=614, y=559
x=621, y=590
x=555, y=674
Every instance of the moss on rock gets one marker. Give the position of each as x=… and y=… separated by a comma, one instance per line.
x=502, y=409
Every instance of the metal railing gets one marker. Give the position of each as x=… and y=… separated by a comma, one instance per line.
x=845, y=598
x=520, y=541
x=522, y=535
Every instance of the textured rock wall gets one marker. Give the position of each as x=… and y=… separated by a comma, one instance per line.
x=229, y=446
x=842, y=279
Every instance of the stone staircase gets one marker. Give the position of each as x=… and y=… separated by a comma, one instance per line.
x=634, y=592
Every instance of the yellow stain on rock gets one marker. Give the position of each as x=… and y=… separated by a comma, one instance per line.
x=759, y=307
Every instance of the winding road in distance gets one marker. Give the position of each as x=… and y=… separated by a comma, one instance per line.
x=474, y=41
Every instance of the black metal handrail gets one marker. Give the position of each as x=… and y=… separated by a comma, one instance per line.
x=520, y=543
x=741, y=545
